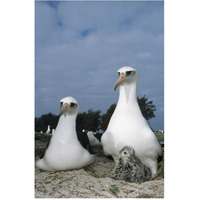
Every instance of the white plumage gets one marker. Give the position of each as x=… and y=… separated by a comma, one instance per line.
x=48, y=129
x=128, y=127
x=93, y=140
x=65, y=151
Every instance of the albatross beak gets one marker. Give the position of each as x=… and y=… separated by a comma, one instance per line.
x=64, y=108
x=122, y=79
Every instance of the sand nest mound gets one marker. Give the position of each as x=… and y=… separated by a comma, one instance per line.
x=93, y=182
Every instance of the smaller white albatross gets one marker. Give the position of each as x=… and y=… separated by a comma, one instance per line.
x=93, y=140
x=48, y=129
x=65, y=151
x=128, y=127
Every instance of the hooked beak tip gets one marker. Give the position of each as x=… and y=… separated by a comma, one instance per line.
x=121, y=80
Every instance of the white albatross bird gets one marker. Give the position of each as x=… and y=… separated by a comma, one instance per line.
x=93, y=140
x=128, y=127
x=48, y=129
x=65, y=151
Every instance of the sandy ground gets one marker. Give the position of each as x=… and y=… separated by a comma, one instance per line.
x=93, y=182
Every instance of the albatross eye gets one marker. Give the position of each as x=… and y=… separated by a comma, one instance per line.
x=118, y=73
x=72, y=104
x=128, y=73
x=125, y=153
x=61, y=103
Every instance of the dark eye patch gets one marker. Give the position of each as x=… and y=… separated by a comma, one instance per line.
x=72, y=104
x=128, y=73
x=125, y=152
x=61, y=103
x=118, y=73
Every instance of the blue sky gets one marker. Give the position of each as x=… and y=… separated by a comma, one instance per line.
x=79, y=46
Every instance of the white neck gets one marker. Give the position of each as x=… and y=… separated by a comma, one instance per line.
x=128, y=98
x=66, y=124
x=128, y=93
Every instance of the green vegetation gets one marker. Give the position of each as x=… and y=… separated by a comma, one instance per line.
x=106, y=117
x=39, y=152
x=159, y=135
x=41, y=141
x=44, y=137
x=114, y=189
x=147, y=107
x=42, y=122
x=89, y=121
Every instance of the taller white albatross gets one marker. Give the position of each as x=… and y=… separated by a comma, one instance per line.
x=128, y=127
x=65, y=151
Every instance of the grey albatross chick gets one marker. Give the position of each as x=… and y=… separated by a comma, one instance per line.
x=129, y=167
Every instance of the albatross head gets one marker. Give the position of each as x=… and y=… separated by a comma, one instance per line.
x=127, y=75
x=126, y=154
x=68, y=105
